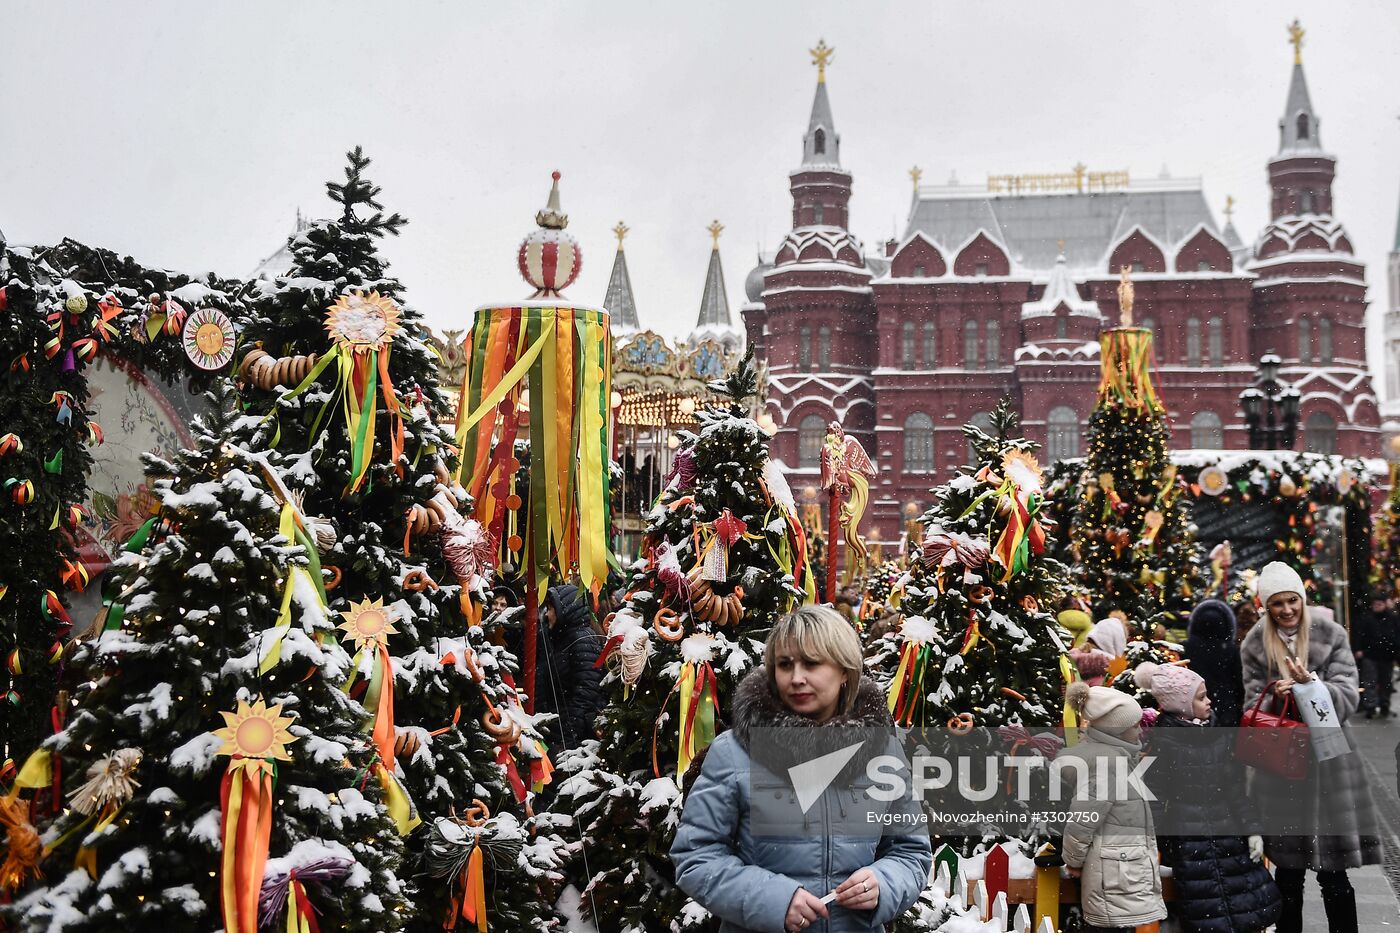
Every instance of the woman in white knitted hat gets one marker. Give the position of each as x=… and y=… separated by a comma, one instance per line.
x=1326, y=823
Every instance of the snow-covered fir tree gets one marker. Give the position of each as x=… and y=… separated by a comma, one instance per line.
x=141, y=847
x=979, y=644
x=367, y=453
x=1131, y=532
x=723, y=563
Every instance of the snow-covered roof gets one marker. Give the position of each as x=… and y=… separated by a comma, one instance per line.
x=622, y=307
x=1060, y=290
x=1089, y=223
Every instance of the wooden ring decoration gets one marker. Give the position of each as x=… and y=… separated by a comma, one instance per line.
x=418, y=580
x=980, y=594
x=335, y=576
x=407, y=743
x=418, y=519
x=437, y=512
x=477, y=813
x=961, y=724
x=1030, y=604
x=668, y=625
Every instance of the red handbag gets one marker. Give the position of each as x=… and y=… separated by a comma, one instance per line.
x=1273, y=741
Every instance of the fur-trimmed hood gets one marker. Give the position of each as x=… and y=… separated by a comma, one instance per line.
x=796, y=738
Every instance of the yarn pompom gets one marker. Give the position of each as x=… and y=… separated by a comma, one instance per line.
x=1143, y=674
x=1077, y=695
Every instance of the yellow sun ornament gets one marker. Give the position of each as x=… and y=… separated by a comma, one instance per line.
x=255, y=735
x=362, y=328
x=363, y=323
x=368, y=624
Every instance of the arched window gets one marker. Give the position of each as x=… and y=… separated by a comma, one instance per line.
x=982, y=422
x=1061, y=433
x=1207, y=433
x=810, y=433
x=906, y=345
x=1215, y=340
x=1320, y=433
x=819, y=141
x=919, y=271
x=1061, y=327
x=1193, y=341
x=1148, y=324
x=992, y=358
x=930, y=345
x=1304, y=340
x=1305, y=201
x=1324, y=340
x=818, y=214
x=824, y=348
x=804, y=349
x=1303, y=128
x=970, y=345
x=918, y=443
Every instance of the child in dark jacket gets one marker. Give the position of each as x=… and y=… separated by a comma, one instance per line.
x=1221, y=885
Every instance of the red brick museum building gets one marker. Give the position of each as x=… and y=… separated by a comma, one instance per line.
x=1002, y=290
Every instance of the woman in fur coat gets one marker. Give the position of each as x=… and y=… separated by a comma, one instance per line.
x=1328, y=822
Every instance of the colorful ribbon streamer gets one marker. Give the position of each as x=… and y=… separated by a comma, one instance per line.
x=563, y=352
x=699, y=691
x=310, y=577
x=1126, y=354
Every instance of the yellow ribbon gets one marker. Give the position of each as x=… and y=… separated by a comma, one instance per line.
x=397, y=802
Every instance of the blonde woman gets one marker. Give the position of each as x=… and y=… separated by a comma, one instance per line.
x=810, y=684
x=1330, y=818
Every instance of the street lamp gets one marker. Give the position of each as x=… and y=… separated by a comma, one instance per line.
x=1270, y=408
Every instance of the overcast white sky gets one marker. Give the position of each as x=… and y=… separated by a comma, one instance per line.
x=187, y=134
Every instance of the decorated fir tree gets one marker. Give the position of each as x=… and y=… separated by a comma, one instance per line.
x=724, y=560
x=343, y=384
x=1385, y=568
x=213, y=732
x=1130, y=536
x=979, y=645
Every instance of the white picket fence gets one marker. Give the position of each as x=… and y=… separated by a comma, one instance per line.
x=995, y=914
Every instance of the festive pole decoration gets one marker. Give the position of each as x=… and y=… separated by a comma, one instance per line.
x=907, y=688
x=208, y=339
x=563, y=350
x=846, y=474
x=292, y=526
x=288, y=889
x=255, y=737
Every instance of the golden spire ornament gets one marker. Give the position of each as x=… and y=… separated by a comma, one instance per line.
x=1125, y=299
x=1229, y=208
x=715, y=228
x=916, y=173
x=821, y=57
x=1295, y=36
x=620, y=231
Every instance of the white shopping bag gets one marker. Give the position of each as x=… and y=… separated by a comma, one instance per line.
x=1324, y=728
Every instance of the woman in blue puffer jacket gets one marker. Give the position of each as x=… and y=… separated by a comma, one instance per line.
x=760, y=867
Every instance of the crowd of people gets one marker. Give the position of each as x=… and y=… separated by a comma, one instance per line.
x=1233, y=660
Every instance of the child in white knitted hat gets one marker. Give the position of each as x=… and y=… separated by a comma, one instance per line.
x=1109, y=841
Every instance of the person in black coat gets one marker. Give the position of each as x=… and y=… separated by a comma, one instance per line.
x=1376, y=642
x=566, y=681
x=1215, y=655
x=1221, y=884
